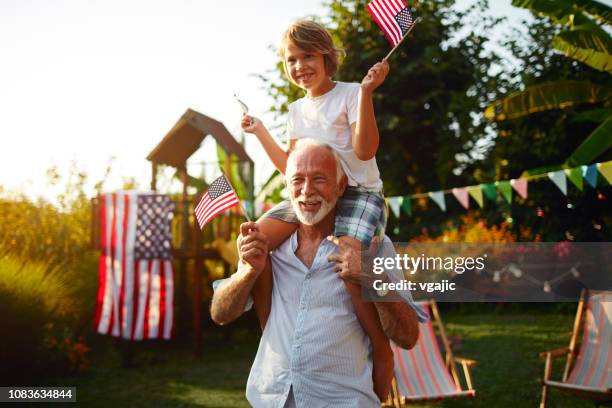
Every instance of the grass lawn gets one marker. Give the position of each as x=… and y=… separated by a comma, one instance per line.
x=505, y=345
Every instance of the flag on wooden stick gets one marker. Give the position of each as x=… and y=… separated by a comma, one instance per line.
x=219, y=197
x=393, y=17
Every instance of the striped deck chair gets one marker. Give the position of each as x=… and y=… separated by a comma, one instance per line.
x=422, y=373
x=588, y=373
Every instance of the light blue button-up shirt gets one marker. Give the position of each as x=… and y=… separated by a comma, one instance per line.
x=313, y=344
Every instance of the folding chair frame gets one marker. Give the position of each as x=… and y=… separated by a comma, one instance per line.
x=451, y=362
x=571, y=354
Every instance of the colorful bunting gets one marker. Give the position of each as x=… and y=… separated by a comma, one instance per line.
x=438, y=197
x=558, y=177
x=590, y=174
x=476, y=193
x=461, y=194
x=575, y=176
x=606, y=170
x=505, y=189
x=490, y=191
x=520, y=186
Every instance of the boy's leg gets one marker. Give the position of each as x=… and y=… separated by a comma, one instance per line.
x=277, y=232
x=368, y=317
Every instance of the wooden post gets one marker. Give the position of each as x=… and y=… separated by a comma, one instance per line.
x=197, y=291
x=153, y=176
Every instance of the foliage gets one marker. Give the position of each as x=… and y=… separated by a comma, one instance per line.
x=472, y=228
x=581, y=36
x=47, y=278
x=37, y=307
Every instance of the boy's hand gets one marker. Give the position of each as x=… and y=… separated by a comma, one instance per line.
x=251, y=124
x=375, y=76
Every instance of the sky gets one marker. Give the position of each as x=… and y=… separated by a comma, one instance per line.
x=86, y=80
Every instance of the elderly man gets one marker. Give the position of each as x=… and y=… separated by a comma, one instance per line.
x=313, y=351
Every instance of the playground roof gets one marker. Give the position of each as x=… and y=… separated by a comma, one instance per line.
x=186, y=136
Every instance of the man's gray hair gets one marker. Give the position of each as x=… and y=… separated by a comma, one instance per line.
x=308, y=143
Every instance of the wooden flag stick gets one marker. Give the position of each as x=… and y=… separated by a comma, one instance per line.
x=405, y=35
x=244, y=211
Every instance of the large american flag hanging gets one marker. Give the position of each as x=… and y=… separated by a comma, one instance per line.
x=393, y=17
x=136, y=279
x=219, y=197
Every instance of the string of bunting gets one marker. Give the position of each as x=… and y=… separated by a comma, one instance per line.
x=576, y=175
x=479, y=192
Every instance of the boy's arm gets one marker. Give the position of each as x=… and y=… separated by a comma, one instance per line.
x=364, y=131
x=277, y=155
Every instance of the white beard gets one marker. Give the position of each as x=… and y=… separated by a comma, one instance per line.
x=310, y=218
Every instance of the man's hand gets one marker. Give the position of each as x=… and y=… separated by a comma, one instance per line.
x=252, y=246
x=375, y=76
x=348, y=260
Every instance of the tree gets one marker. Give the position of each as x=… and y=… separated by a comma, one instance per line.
x=578, y=30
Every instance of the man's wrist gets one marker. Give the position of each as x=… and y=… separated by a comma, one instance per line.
x=247, y=270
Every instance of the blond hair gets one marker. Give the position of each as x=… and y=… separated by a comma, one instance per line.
x=311, y=36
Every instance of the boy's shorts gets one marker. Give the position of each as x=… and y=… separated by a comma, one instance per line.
x=360, y=214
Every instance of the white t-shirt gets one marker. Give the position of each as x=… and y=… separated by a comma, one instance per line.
x=328, y=118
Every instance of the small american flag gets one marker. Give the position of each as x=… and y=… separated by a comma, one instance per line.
x=219, y=197
x=393, y=17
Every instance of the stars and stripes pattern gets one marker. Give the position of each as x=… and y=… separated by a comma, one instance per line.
x=136, y=278
x=393, y=17
x=219, y=197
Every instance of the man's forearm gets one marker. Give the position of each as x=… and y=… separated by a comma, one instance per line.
x=230, y=298
x=399, y=322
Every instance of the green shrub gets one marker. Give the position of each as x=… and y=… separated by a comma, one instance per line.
x=37, y=313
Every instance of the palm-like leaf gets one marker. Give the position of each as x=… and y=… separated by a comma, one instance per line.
x=594, y=146
x=601, y=12
x=589, y=47
x=551, y=95
x=568, y=12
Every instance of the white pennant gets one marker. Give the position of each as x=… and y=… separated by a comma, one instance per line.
x=438, y=197
x=394, y=205
x=560, y=180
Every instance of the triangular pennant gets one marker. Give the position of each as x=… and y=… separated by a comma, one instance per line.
x=606, y=170
x=520, y=186
x=505, y=189
x=476, y=193
x=461, y=194
x=575, y=176
x=248, y=206
x=438, y=197
x=407, y=205
x=489, y=191
x=590, y=174
x=259, y=206
x=558, y=177
x=394, y=205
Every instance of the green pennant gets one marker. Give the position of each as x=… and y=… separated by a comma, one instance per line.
x=575, y=176
x=489, y=191
x=505, y=189
x=406, y=205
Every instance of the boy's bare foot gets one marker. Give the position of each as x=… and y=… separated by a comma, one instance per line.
x=382, y=374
